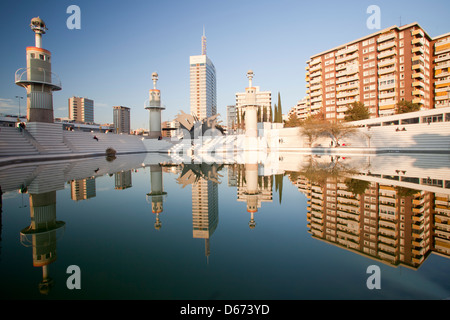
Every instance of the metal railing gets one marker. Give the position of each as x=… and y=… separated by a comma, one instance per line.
x=37, y=75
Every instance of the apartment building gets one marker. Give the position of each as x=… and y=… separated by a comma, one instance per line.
x=121, y=118
x=81, y=109
x=379, y=70
x=442, y=71
x=301, y=110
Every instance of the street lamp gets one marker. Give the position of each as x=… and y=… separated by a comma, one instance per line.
x=18, y=98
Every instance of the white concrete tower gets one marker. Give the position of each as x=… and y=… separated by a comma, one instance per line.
x=38, y=78
x=251, y=110
x=154, y=107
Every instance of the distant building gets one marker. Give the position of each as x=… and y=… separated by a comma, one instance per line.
x=121, y=118
x=81, y=110
x=263, y=99
x=301, y=110
x=203, y=94
x=231, y=119
x=170, y=128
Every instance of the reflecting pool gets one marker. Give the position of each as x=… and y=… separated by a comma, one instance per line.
x=298, y=226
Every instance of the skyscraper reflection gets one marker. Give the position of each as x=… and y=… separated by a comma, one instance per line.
x=205, y=199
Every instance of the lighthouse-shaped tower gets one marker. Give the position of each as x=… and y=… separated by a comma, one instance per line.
x=37, y=78
x=251, y=110
x=154, y=107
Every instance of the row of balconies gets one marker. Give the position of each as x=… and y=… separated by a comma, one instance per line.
x=442, y=42
x=387, y=45
x=443, y=57
x=347, y=58
x=386, y=62
x=345, y=94
x=387, y=70
x=352, y=85
x=442, y=75
x=345, y=102
x=347, y=79
x=388, y=36
x=387, y=53
x=443, y=65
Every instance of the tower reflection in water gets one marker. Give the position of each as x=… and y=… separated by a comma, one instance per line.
x=157, y=194
x=42, y=234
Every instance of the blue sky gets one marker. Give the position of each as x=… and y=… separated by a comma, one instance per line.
x=120, y=43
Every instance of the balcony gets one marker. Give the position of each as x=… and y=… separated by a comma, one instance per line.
x=386, y=62
x=442, y=65
x=347, y=79
x=342, y=66
x=418, y=84
x=417, y=32
x=442, y=42
x=347, y=58
x=387, y=95
x=28, y=76
x=418, y=75
x=386, y=37
x=387, y=53
x=387, y=45
x=442, y=74
x=417, y=50
x=419, y=101
x=418, y=93
x=315, y=68
x=418, y=41
x=443, y=57
x=315, y=61
x=443, y=82
x=418, y=67
x=383, y=71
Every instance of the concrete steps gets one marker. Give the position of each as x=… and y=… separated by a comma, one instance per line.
x=49, y=136
x=13, y=142
x=84, y=142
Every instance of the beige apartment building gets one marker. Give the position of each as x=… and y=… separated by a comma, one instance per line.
x=81, y=109
x=379, y=70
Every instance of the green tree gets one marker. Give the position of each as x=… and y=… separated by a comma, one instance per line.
x=405, y=106
x=357, y=111
x=275, y=114
x=279, y=110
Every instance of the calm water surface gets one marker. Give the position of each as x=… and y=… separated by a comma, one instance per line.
x=141, y=227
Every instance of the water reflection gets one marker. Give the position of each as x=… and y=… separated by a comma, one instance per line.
x=391, y=209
